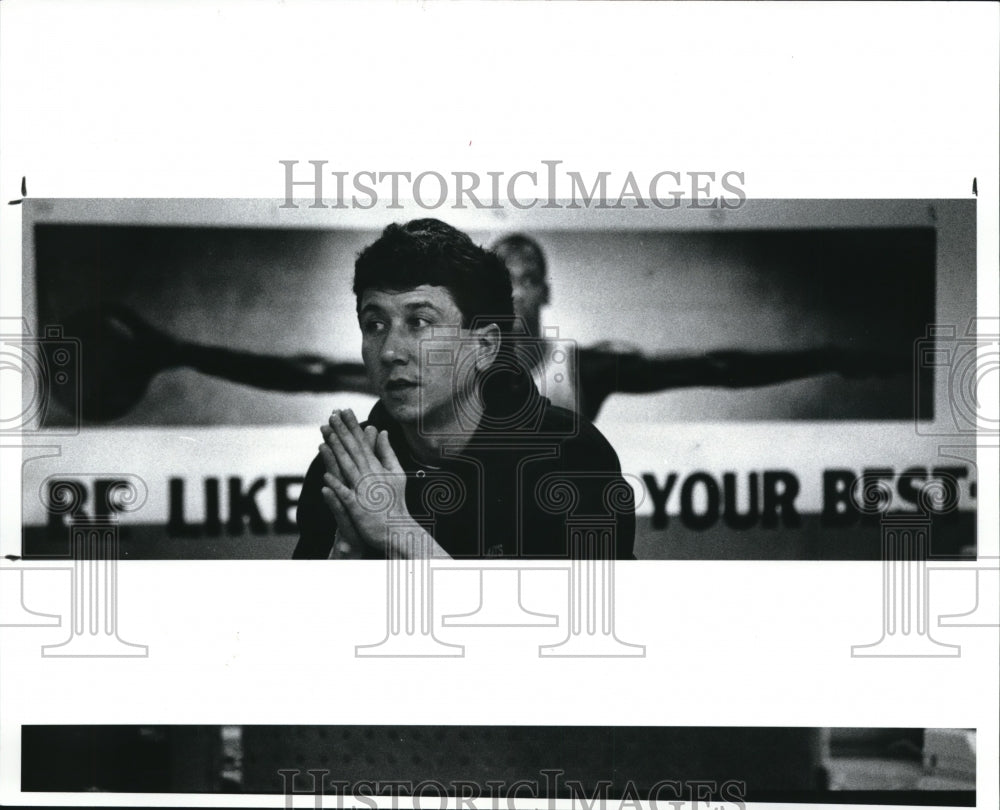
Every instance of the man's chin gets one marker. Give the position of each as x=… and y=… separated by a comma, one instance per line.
x=406, y=413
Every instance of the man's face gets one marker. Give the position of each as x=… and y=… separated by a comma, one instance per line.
x=530, y=290
x=399, y=331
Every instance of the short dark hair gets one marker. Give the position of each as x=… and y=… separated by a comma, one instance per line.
x=429, y=251
x=521, y=246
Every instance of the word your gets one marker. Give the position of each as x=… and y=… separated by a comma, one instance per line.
x=702, y=501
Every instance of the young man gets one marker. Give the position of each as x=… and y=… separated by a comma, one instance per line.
x=461, y=456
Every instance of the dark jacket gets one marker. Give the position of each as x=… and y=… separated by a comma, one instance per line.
x=533, y=480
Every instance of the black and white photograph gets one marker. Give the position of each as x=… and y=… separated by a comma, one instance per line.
x=499, y=405
x=679, y=337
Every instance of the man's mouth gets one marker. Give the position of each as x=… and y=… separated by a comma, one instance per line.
x=395, y=386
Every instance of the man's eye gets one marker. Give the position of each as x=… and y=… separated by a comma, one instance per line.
x=419, y=323
x=372, y=327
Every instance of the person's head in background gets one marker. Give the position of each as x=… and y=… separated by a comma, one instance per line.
x=530, y=287
x=414, y=282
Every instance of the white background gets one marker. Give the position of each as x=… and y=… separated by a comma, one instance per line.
x=188, y=100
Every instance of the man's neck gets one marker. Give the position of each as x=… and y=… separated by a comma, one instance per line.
x=428, y=439
x=532, y=351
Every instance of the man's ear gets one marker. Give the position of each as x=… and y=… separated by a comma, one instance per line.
x=487, y=345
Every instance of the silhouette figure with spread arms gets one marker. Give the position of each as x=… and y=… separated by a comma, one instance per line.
x=121, y=353
x=612, y=367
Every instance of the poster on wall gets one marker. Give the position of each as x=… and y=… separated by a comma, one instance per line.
x=758, y=373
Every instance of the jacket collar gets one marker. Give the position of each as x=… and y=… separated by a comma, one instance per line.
x=500, y=409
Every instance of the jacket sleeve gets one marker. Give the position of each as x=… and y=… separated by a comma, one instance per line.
x=591, y=461
x=616, y=497
x=317, y=526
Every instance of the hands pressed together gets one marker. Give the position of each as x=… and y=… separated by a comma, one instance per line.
x=364, y=485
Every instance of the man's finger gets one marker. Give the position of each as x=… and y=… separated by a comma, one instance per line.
x=329, y=459
x=362, y=437
x=330, y=462
x=346, y=531
x=337, y=501
x=355, y=510
x=385, y=453
x=353, y=441
x=349, y=469
x=343, y=492
x=337, y=508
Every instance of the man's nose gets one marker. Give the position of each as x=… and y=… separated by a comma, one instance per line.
x=396, y=347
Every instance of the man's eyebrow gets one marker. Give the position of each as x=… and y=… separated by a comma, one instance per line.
x=421, y=305
x=410, y=306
